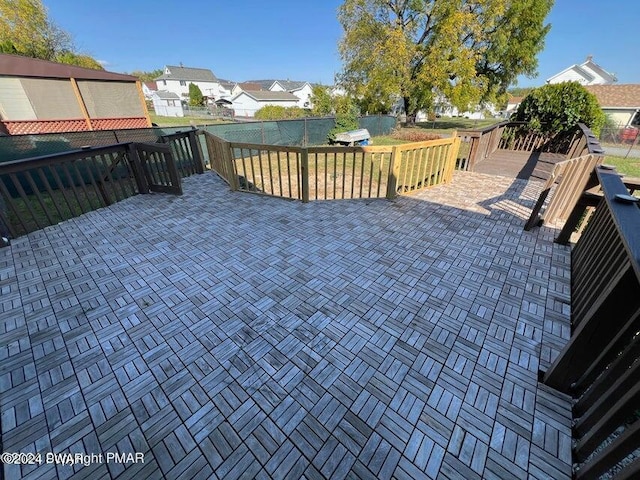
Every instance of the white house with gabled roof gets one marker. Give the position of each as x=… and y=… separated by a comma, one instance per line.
x=177, y=79
x=302, y=90
x=248, y=102
x=587, y=73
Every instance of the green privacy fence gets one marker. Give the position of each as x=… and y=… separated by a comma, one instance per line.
x=298, y=132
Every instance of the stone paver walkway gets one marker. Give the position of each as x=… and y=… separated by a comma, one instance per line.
x=228, y=335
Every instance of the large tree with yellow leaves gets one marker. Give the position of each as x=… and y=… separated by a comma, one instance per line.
x=465, y=51
x=25, y=29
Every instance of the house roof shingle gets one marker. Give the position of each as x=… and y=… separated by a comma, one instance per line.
x=188, y=73
x=19, y=66
x=166, y=95
x=268, y=95
x=288, y=85
x=617, y=96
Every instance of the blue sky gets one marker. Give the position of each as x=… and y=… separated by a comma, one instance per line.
x=297, y=39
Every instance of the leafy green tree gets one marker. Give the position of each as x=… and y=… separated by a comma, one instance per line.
x=346, y=117
x=195, y=95
x=147, y=76
x=557, y=108
x=79, y=60
x=321, y=100
x=25, y=29
x=467, y=51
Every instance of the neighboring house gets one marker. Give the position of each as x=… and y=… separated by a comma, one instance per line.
x=148, y=88
x=620, y=102
x=238, y=88
x=167, y=104
x=247, y=103
x=302, y=90
x=38, y=96
x=226, y=88
x=512, y=105
x=587, y=73
x=177, y=79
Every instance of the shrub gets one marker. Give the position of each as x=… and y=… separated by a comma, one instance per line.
x=414, y=135
x=346, y=117
x=557, y=108
x=195, y=95
x=278, y=112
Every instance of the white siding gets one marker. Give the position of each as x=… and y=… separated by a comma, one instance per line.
x=209, y=89
x=14, y=103
x=167, y=108
x=621, y=117
x=245, y=106
x=304, y=94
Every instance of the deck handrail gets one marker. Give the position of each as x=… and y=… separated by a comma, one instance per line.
x=332, y=172
x=40, y=191
x=599, y=366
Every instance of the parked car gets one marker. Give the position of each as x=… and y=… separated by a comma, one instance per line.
x=628, y=134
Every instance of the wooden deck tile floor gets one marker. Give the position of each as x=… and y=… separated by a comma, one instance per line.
x=228, y=335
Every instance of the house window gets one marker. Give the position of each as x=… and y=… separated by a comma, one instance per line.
x=164, y=82
x=183, y=83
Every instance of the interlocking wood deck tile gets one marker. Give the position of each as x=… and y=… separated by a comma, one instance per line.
x=235, y=336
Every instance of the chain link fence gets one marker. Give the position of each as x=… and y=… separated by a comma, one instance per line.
x=298, y=132
x=621, y=142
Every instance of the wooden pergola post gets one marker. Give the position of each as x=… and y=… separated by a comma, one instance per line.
x=83, y=107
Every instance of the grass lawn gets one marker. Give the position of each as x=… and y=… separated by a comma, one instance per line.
x=629, y=167
x=182, y=121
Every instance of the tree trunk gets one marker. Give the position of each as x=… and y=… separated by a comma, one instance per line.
x=411, y=115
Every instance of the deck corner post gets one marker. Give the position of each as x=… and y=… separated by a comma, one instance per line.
x=394, y=172
x=304, y=171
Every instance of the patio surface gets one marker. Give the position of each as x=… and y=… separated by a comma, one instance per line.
x=229, y=335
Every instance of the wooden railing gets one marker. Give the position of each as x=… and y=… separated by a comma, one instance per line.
x=185, y=149
x=324, y=173
x=600, y=366
x=571, y=177
x=43, y=191
x=478, y=145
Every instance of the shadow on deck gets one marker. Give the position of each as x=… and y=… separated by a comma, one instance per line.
x=522, y=165
x=362, y=338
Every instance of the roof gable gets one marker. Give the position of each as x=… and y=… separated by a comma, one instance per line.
x=188, y=74
x=19, y=66
x=267, y=95
x=626, y=96
x=166, y=95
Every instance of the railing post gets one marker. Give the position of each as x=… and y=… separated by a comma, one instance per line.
x=304, y=172
x=137, y=168
x=394, y=172
x=195, y=151
x=227, y=159
x=453, y=155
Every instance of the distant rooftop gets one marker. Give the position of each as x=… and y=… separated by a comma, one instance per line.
x=172, y=72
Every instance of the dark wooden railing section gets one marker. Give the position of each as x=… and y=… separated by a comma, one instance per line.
x=43, y=191
x=327, y=173
x=600, y=366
